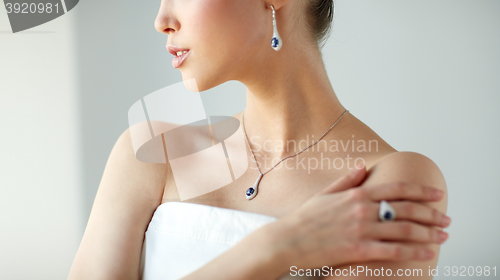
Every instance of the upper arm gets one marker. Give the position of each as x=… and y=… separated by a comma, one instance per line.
x=412, y=168
x=128, y=194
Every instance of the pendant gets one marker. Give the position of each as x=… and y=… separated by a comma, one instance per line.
x=252, y=191
x=276, y=40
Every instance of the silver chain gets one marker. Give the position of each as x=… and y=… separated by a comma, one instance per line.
x=253, y=156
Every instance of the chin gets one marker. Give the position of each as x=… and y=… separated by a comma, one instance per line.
x=198, y=84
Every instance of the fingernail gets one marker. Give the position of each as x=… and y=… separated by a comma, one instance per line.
x=355, y=172
x=360, y=165
x=425, y=254
x=429, y=254
x=445, y=220
x=442, y=236
x=438, y=193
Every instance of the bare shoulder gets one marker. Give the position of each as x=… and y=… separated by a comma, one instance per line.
x=128, y=194
x=148, y=178
x=409, y=167
x=387, y=164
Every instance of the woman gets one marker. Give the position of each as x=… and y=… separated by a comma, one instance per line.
x=292, y=219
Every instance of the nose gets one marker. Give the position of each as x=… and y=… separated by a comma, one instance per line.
x=165, y=21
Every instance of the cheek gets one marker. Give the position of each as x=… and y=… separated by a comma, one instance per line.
x=227, y=29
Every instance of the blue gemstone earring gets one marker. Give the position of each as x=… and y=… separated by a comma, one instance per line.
x=276, y=42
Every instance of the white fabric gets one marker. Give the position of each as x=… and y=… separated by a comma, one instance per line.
x=182, y=237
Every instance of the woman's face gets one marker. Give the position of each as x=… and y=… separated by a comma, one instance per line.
x=227, y=39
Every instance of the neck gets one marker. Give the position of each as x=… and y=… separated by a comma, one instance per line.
x=290, y=103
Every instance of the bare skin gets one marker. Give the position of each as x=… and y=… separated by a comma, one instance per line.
x=289, y=97
x=288, y=186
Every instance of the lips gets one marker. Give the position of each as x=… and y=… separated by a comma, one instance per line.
x=177, y=61
x=173, y=50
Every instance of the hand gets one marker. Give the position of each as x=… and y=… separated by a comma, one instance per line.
x=340, y=224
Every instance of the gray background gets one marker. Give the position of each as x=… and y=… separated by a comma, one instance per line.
x=422, y=74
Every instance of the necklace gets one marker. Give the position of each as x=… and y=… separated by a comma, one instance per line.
x=252, y=191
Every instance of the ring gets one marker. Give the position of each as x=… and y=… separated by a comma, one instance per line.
x=386, y=212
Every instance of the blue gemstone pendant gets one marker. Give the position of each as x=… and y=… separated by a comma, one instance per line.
x=252, y=191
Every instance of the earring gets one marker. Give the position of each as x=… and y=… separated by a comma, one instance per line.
x=276, y=41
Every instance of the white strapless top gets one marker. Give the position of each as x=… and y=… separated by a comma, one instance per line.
x=182, y=237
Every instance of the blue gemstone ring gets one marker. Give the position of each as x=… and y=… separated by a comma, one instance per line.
x=386, y=212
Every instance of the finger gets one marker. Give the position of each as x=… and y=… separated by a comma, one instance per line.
x=354, y=178
x=419, y=213
x=391, y=251
x=406, y=231
x=403, y=190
